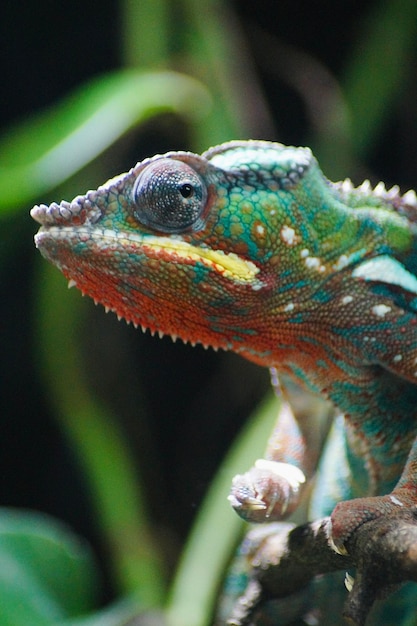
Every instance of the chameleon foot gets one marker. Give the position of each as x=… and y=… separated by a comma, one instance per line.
x=380, y=536
x=351, y=515
x=268, y=491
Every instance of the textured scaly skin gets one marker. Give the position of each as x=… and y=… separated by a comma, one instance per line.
x=249, y=248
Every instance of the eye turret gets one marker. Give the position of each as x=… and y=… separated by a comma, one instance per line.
x=169, y=196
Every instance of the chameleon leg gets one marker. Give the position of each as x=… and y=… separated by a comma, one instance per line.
x=273, y=487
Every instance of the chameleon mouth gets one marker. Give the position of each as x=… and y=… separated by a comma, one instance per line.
x=228, y=264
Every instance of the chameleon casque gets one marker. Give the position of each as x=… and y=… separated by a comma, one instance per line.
x=250, y=248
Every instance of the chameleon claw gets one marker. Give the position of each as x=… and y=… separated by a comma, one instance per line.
x=349, y=582
x=339, y=548
x=250, y=502
x=268, y=491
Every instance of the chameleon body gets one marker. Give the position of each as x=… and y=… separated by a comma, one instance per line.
x=250, y=248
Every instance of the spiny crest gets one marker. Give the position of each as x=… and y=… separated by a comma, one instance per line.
x=405, y=204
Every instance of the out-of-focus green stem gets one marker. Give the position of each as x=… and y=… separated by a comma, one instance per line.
x=211, y=54
x=97, y=441
x=216, y=55
x=146, y=30
x=217, y=528
x=52, y=146
x=377, y=66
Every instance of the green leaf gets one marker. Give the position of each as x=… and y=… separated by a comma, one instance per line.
x=95, y=434
x=376, y=72
x=217, y=528
x=52, y=146
x=46, y=572
x=121, y=613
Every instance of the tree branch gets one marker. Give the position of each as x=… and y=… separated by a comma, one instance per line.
x=382, y=551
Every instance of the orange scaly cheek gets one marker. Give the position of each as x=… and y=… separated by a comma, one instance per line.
x=161, y=290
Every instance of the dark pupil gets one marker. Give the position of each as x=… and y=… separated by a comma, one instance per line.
x=186, y=190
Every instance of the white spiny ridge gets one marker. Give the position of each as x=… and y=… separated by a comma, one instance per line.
x=409, y=198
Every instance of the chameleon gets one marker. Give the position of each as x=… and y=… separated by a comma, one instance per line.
x=249, y=247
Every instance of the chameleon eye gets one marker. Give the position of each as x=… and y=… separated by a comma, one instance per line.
x=169, y=196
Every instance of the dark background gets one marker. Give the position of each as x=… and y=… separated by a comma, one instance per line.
x=196, y=400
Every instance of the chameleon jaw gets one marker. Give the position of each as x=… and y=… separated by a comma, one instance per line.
x=228, y=264
x=65, y=246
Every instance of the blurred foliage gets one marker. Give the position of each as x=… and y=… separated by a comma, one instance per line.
x=38, y=557
x=49, y=148
x=210, y=73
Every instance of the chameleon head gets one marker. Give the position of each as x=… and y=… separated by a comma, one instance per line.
x=207, y=248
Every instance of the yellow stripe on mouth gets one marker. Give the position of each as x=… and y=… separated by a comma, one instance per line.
x=228, y=263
